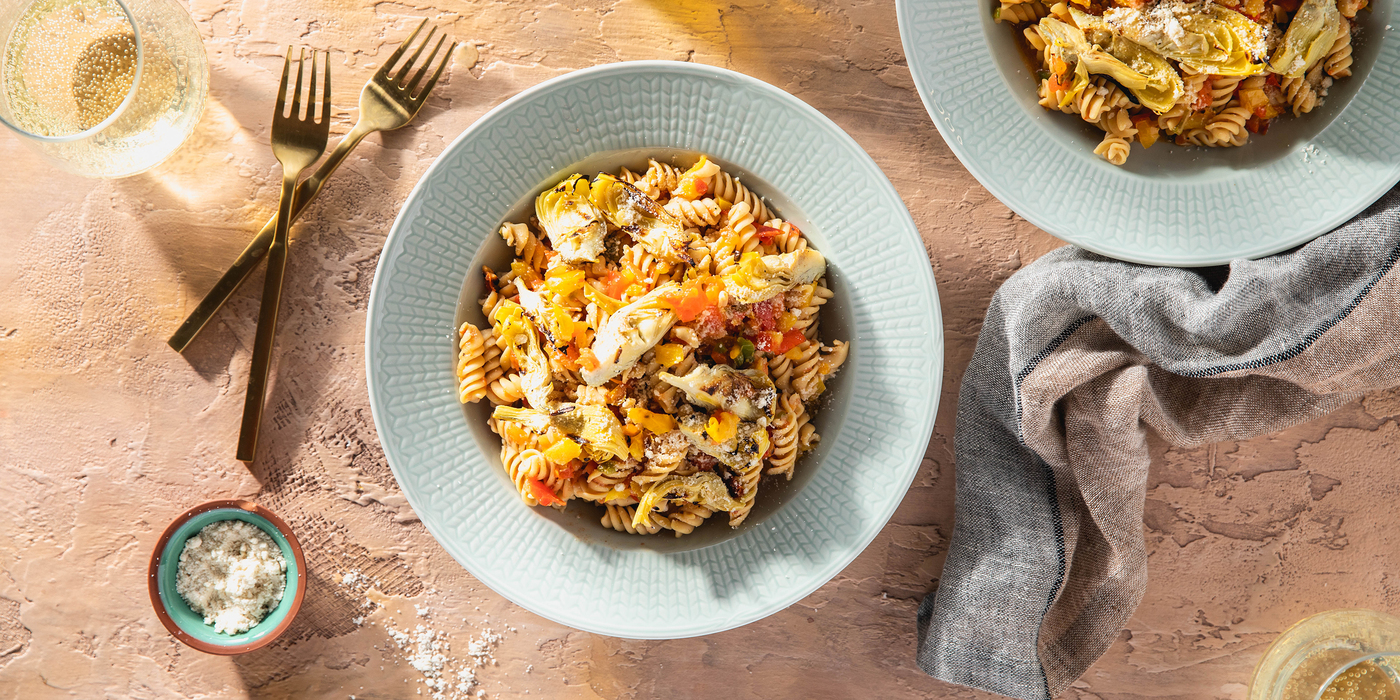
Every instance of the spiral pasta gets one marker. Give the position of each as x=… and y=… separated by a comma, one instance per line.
x=620, y=518
x=679, y=454
x=471, y=365
x=662, y=176
x=1222, y=90
x=725, y=187
x=738, y=237
x=788, y=238
x=785, y=435
x=695, y=213
x=1224, y=129
x=1338, y=61
x=1020, y=12
x=527, y=247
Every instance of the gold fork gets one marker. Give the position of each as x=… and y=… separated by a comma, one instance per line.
x=297, y=141
x=387, y=102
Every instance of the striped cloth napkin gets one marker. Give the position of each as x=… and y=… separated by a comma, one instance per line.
x=1079, y=357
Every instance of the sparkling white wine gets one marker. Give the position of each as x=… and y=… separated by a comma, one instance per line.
x=69, y=67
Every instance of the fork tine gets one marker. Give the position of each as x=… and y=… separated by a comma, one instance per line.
x=413, y=60
x=311, y=94
x=408, y=89
x=326, y=100
x=296, y=95
x=398, y=53
x=282, y=89
x=432, y=82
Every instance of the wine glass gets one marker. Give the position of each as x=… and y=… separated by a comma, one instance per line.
x=102, y=88
x=1336, y=655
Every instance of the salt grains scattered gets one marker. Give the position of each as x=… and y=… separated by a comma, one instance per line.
x=427, y=650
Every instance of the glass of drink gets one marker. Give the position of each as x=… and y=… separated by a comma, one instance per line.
x=1336, y=655
x=103, y=88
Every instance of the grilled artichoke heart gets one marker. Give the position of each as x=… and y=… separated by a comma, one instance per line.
x=575, y=228
x=536, y=379
x=1314, y=28
x=1206, y=37
x=553, y=321
x=1148, y=76
x=595, y=427
x=633, y=330
x=759, y=278
x=704, y=488
x=744, y=451
x=745, y=393
x=631, y=210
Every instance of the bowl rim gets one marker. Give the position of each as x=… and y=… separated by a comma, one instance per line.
x=821, y=576
x=153, y=578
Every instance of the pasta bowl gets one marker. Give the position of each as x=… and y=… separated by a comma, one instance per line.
x=875, y=424
x=1167, y=205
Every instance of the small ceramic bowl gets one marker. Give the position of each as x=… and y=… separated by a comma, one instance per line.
x=187, y=625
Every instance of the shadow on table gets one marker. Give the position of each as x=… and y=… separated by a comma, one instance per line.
x=324, y=616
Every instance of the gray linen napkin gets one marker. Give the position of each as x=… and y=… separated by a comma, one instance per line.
x=1079, y=357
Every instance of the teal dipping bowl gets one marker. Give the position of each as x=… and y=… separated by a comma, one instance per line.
x=187, y=625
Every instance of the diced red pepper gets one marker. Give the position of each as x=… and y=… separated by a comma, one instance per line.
x=616, y=283
x=541, y=493
x=767, y=233
x=587, y=360
x=570, y=470
x=690, y=301
x=571, y=357
x=778, y=343
x=1203, y=98
x=791, y=339
x=1257, y=125
x=767, y=313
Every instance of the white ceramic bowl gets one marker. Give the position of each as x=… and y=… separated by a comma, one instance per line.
x=1168, y=205
x=874, y=425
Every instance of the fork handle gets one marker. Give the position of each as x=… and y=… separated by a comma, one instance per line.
x=267, y=324
x=248, y=259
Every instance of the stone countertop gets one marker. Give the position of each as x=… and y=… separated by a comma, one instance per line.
x=106, y=434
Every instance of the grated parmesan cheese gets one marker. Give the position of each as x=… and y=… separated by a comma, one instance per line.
x=233, y=574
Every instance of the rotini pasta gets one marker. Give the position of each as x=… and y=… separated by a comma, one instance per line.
x=1199, y=72
x=731, y=190
x=663, y=360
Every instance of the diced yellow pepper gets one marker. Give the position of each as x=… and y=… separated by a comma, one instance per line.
x=723, y=203
x=658, y=423
x=563, y=280
x=670, y=354
x=794, y=354
x=616, y=495
x=637, y=446
x=722, y=426
x=563, y=451
x=564, y=323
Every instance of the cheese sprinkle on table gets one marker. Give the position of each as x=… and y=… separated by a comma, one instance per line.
x=233, y=574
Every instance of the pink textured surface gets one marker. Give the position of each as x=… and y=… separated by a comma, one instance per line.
x=106, y=434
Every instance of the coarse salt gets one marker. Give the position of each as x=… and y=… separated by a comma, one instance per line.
x=231, y=573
